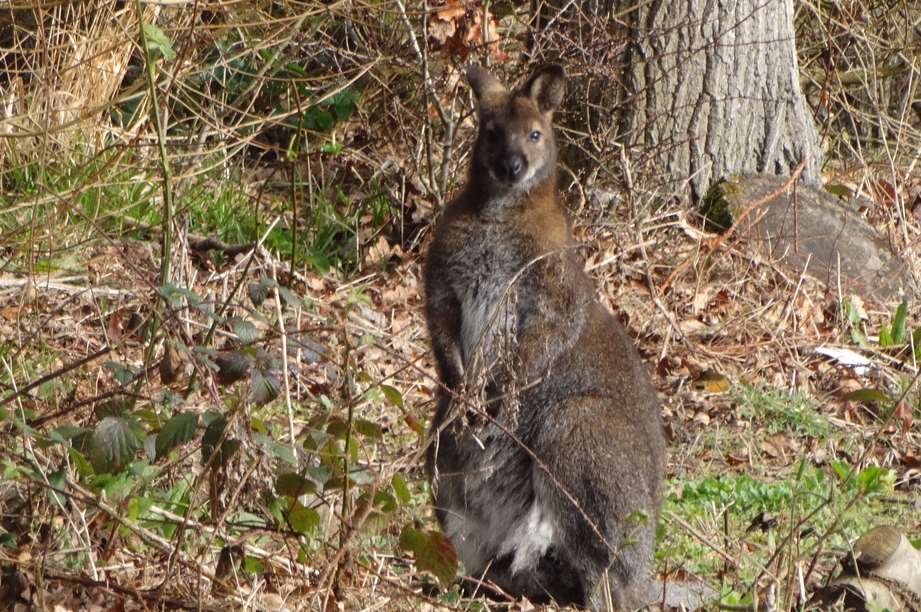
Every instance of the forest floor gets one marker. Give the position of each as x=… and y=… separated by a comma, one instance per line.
x=779, y=457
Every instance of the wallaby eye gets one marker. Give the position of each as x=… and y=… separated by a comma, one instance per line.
x=535, y=136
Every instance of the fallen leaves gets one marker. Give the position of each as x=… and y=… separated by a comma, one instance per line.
x=459, y=28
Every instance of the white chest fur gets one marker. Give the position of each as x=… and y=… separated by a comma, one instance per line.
x=529, y=540
x=488, y=315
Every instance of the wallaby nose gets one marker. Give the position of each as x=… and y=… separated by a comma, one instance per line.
x=512, y=167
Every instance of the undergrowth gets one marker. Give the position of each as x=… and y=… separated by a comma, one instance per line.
x=242, y=422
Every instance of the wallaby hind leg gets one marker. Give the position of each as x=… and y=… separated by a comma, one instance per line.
x=550, y=580
x=602, y=494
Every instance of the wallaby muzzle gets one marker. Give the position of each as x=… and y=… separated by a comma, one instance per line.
x=511, y=167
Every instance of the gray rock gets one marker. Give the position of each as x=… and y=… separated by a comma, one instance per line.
x=814, y=227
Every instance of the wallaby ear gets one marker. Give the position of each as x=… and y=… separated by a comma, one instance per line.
x=546, y=86
x=486, y=88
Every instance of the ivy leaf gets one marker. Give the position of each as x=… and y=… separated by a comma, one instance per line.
x=178, y=430
x=114, y=442
x=158, y=45
x=433, y=553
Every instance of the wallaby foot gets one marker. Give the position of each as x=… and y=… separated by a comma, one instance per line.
x=884, y=570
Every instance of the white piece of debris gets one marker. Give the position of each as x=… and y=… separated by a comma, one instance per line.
x=847, y=358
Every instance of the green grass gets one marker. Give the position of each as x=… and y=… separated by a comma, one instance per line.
x=70, y=203
x=782, y=411
x=823, y=505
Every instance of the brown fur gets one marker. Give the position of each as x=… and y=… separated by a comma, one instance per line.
x=517, y=332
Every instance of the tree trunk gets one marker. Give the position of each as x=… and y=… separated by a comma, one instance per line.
x=708, y=88
x=717, y=90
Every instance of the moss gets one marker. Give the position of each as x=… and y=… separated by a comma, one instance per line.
x=714, y=207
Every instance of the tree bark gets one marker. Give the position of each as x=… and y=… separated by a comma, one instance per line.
x=708, y=88
x=717, y=83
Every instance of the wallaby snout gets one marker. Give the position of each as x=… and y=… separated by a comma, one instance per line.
x=511, y=167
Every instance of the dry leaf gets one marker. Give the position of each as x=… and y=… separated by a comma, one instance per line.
x=903, y=414
x=712, y=382
x=702, y=417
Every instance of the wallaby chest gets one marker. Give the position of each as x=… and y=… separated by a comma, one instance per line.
x=485, y=273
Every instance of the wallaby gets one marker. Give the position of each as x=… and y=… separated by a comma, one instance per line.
x=547, y=451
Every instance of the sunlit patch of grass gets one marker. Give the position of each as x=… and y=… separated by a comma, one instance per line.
x=776, y=410
x=812, y=510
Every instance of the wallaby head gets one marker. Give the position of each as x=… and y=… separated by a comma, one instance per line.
x=515, y=147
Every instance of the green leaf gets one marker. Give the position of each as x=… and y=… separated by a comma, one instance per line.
x=393, y=396
x=332, y=148
x=258, y=292
x=368, y=428
x=65, y=433
x=178, y=430
x=320, y=473
x=289, y=297
x=401, y=489
x=231, y=367
x=885, y=337
x=385, y=502
x=841, y=469
x=123, y=374
x=433, y=553
x=900, y=325
x=337, y=427
x=244, y=330
x=114, y=442
x=83, y=466
x=302, y=519
x=318, y=119
x=58, y=480
x=293, y=485
x=839, y=190
x=343, y=103
x=867, y=396
x=264, y=387
x=158, y=45
x=278, y=450
x=875, y=479
x=214, y=434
